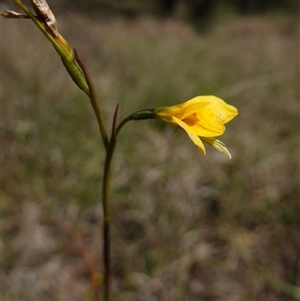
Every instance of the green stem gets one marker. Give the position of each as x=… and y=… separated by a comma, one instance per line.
x=106, y=222
x=144, y=114
x=109, y=147
x=139, y=115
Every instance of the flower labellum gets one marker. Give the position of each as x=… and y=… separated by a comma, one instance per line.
x=203, y=118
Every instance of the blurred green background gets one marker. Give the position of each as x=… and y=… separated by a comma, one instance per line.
x=184, y=226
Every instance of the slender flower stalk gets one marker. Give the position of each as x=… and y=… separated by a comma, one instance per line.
x=106, y=209
x=139, y=115
x=106, y=223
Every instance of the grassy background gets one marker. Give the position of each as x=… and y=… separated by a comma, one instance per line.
x=184, y=226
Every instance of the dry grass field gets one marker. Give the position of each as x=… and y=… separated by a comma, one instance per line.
x=185, y=227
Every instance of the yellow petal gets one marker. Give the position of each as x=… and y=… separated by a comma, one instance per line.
x=166, y=113
x=196, y=100
x=197, y=141
x=204, y=122
x=191, y=109
x=181, y=110
x=225, y=111
x=208, y=120
x=198, y=129
x=201, y=119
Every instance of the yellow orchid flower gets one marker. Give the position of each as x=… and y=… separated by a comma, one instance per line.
x=203, y=118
